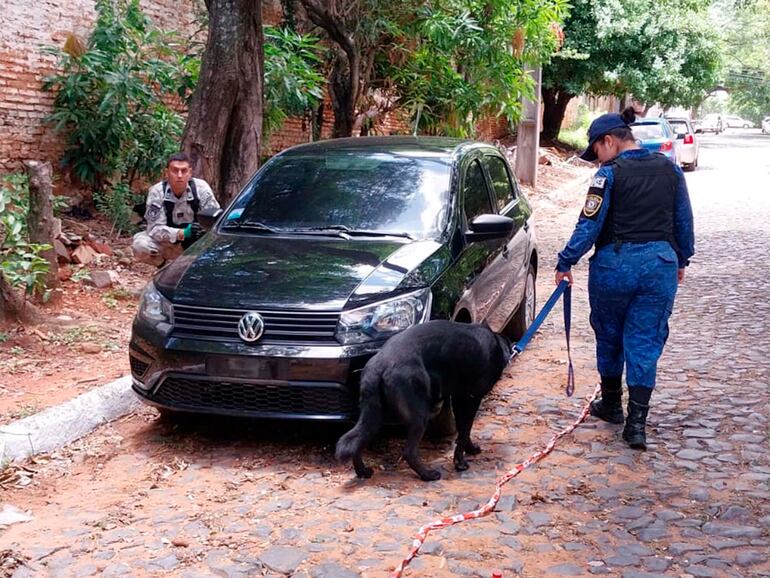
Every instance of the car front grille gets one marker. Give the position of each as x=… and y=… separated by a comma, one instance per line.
x=200, y=394
x=280, y=326
x=138, y=367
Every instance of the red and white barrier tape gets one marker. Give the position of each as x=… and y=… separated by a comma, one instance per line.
x=487, y=508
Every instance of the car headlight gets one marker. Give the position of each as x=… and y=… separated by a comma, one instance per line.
x=156, y=310
x=384, y=319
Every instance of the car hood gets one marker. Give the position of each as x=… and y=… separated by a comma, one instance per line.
x=297, y=272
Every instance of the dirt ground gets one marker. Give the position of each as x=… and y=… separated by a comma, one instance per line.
x=83, y=340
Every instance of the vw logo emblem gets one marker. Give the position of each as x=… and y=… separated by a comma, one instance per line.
x=251, y=326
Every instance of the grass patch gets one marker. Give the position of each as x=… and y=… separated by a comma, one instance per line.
x=576, y=138
x=72, y=336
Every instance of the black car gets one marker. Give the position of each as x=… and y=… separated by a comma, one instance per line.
x=330, y=249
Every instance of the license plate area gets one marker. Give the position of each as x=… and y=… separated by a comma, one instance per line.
x=248, y=367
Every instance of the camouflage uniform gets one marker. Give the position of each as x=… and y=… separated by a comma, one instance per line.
x=631, y=285
x=160, y=242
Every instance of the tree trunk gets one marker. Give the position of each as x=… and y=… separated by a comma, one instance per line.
x=223, y=134
x=345, y=78
x=343, y=104
x=40, y=215
x=555, y=103
x=13, y=306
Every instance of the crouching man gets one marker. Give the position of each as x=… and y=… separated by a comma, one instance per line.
x=171, y=208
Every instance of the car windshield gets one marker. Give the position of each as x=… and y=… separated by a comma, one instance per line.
x=648, y=131
x=348, y=191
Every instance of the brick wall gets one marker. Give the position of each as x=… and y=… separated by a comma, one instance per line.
x=28, y=25
x=25, y=27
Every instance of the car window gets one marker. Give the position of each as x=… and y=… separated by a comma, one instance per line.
x=501, y=180
x=679, y=126
x=648, y=131
x=475, y=196
x=371, y=190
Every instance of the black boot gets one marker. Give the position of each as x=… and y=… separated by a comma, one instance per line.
x=638, y=405
x=609, y=408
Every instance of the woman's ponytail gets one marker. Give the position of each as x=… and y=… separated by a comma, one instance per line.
x=628, y=115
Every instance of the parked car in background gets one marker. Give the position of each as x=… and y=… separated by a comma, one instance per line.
x=712, y=123
x=656, y=135
x=734, y=121
x=688, y=143
x=329, y=250
x=766, y=125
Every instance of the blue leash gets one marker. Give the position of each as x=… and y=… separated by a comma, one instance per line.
x=521, y=344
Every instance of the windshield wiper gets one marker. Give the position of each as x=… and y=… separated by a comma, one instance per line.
x=344, y=230
x=250, y=225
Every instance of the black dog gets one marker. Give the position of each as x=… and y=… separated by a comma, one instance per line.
x=430, y=363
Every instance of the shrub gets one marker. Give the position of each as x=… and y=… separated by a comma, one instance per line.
x=20, y=262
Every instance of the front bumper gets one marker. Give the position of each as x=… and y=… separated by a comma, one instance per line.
x=271, y=380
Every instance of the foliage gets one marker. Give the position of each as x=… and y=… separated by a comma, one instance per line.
x=117, y=204
x=658, y=51
x=80, y=274
x=20, y=261
x=461, y=59
x=293, y=83
x=113, y=96
x=745, y=29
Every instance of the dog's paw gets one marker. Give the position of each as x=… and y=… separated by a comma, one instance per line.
x=364, y=472
x=430, y=475
x=461, y=465
x=472, y=449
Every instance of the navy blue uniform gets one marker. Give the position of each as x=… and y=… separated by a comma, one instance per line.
x=633, y=272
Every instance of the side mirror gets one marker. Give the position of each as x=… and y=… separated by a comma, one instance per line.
x=207, y=218
x=487, y=227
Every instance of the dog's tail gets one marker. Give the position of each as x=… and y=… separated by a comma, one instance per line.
x=369, y=420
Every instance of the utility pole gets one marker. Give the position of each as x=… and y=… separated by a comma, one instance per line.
x=528, y=139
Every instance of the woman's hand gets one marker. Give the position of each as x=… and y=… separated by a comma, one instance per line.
x=565, y=275
x=680, y=275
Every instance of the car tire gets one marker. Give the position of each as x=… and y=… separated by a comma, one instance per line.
x=525, y=313
x=689, y=167
x=173, y=417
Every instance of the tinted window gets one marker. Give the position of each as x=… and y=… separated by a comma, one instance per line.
x=501, y=181
x=476, y=199
x=648, y=131
x=379, y=191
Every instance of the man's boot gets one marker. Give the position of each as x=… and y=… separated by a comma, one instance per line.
x=609, y=408
x=638, y=405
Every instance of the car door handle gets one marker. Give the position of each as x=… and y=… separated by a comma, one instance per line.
x=526, y=226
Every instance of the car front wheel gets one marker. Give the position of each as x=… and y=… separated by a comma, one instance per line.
x=525, y=314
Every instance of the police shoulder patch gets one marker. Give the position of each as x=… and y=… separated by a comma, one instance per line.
x=592, y=206
x=153, y=211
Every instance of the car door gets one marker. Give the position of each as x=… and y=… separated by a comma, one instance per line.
x=509, y=268
x=470, y=268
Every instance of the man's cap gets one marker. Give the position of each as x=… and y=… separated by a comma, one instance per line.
x=599, y=127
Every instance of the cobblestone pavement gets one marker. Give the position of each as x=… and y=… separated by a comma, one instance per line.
x=231, y=499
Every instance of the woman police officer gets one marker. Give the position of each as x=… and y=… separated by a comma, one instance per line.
x=638, y=215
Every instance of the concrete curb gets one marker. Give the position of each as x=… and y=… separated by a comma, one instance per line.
x=59, y=425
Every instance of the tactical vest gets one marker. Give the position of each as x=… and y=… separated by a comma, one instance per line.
x=195, y=204
x=642, y=202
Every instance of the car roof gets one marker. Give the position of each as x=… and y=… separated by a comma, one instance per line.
x=408, y=145
x=652, y=120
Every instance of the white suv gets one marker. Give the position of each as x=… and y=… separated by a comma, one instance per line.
x=766, y=125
